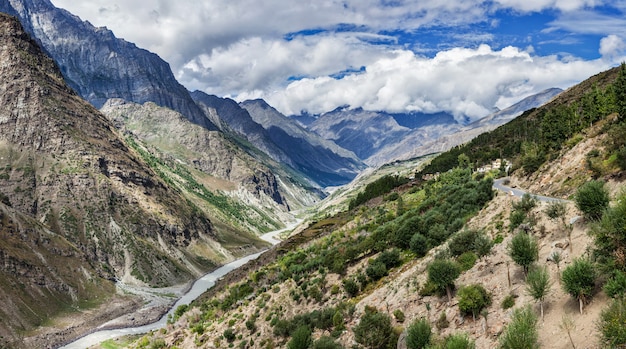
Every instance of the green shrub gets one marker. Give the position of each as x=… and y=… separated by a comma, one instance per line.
x=229, y=334
x=526, y=204
x=515, y=219
x=524, y=250
x=419, y=245
x=458, y=341
x=399, y=315
x=472, y=299
x=374, y=329
x=419, y=334
x=616, y=286
x=442, y=273
x=610, y=237
x=467, y=260
x=612, y=324
x=351, y=287
x=482, y=245
x=521, y=333
x=592, y=198
x=508, y=302
x=538, y=285
x=390, y=258
x=376, y=270
x=462, y=242
x=579, y=280
x=301, y=338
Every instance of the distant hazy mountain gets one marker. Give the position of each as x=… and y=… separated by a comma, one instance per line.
x=281, y=138
x=379, y=137
x=505, y=115
x=321, y=158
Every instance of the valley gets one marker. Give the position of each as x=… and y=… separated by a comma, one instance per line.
x=135, y=213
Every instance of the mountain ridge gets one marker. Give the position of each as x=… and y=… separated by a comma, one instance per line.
x=81, y=191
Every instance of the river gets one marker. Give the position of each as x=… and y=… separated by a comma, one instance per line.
x=198, y=288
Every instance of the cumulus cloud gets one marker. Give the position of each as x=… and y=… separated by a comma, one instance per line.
x=464, y=82
x=612, y=47
x=322, y=54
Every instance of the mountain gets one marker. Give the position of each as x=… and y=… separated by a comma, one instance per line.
x=379, y=138
x=81, y=208
x=505, y=115
x=210, y=162
x=361, y=131
x=321, y=158
x=100, y=66
x=322, y=161
x=372, y=275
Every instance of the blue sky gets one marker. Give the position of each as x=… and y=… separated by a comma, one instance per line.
x=462, y=57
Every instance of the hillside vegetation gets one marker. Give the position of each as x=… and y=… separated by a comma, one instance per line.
x=540, y=135
x=444, y=263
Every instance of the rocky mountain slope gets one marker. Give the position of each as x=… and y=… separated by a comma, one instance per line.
x=323, y=159
x=214, y=163
x=361, y=277
x=100, y=66
x=71, y=185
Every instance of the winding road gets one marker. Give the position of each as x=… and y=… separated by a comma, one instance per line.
x=198, y=288
x=498, y=184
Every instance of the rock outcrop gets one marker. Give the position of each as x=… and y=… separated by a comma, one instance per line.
x=100, y=66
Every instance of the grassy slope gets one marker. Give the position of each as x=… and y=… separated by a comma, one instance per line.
x=276, y=292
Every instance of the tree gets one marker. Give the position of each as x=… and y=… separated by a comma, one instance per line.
x=521, y=333
x=301, y=338
x=526, y=204
x=578, y=279
x=610, y=237
x=612, y=324
x=464, y=161
x=592, y=198
x=442, y=273
x=419, y=334
x=538, y=285
x=620, y=91
x=472, y=299
x=374, y=329
x=419, y=245
x=556, y=211
x=523, y=250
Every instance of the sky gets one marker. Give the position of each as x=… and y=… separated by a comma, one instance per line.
x=464, y=57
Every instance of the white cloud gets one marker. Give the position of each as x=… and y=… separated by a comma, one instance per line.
x=613, y=48
x=238, y=48
x=465, y=82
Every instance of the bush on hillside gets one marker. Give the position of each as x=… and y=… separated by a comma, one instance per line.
x=374, y=330
x=592, y=198
x=419, y=334
x=473, y=299
x=522, y=332
x=523, y=250
x=612, y=324
x=579, y=280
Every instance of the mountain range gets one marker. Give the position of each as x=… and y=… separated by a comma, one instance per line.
x=113, y=172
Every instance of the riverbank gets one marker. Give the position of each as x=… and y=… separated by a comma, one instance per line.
x=157, y=304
